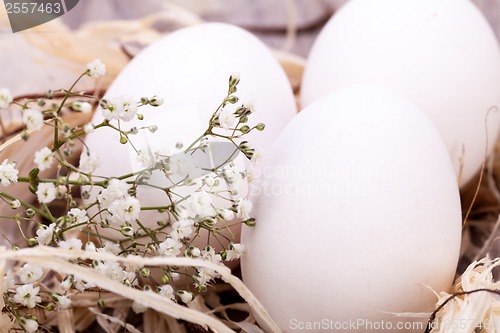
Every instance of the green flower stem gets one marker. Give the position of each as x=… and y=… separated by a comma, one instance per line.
x=26, y=205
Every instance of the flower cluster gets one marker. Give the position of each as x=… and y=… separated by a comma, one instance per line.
x=202, y=205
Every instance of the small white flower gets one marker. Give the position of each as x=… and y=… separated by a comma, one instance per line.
x=226, y=214
x=15, y=204
x=114, y=109
x=96, y=68
x=27, y=295
x=90, y=246
x=83, y=107
x=170, y=248
x=44, y=158
x=257, y=156
x=167, y=291
x=244, y=208
x=71, y=244
x=45, y=234
x=112, y=270
x=88, y=128
x=128, y=106
x=110, y=247
x=209, y=181
x=185, y=296
x=89, y=161
x=64, y=302
x=66, y=283
x=78, y=217
x=201, y=204
x=227, y=119
x=46, y=192
x=209, y=254
x=125, y=210
x=9, y=280
x=81, y=285
x=229, y=174
x=29, y=273
x=33, y=119
x=116, y=189
x=235, y=251
x=182, y=229
x=30, y=325
x=139, y=307
x=8, y=173
x=205, y=276
x=195, y=252
x=5, y=98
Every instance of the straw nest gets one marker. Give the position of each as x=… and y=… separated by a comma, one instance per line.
x=227, y=305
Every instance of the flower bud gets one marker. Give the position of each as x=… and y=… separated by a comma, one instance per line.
x=245, y=129
x=234, y=79
x=104, y=103
x=30, y=212
x=153, y=128
x=123, y=140
x=145, y=272
x=15, y=204
x=127, y=231
x=164, y=278
x=156, y=101
x=232, y=99
x=260, y=127
x=250, y=222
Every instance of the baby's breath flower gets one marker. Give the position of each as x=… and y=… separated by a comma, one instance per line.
x=116, y=189
x=45, y=234
x=29, y=273
x=182, y=229
x=30, y=325
x=227, y=119
x=112, y=270
x=167, y=291
x=234, y=252
x=78, y=216
x=201, y=204
x=185, y=296
x=32, y=119
x=244, y=208
x=90, y=246
x=44, y=158
x=128, y=107
x=229, y=174
x=156, y=101
x=27, y=295
x=226, y=214
x=89, y=161
x=83, y=107
x=15, y=204
x=170, y=248
x=8, y=173
x=46, y=192
x=125, y=210
x=64, y=302
x=66, y=283
x=71, y=244
x=96, y=68
x=257, y=156
x=209, y=254
x=110, y=247
x=5, y=98
x=88, y=128
x=205, y=276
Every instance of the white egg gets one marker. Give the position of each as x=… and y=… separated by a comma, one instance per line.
x=441, y=54
x=190, y=69
x=357, y=211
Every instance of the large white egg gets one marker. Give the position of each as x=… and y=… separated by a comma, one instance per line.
x=441, y=54
x=190, y=69
x=357, y=211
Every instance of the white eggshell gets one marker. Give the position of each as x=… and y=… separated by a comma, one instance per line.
x=357, y=210
x=441, y=54
x=190, y=70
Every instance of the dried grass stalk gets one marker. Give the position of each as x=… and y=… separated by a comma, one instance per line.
x=56, y=259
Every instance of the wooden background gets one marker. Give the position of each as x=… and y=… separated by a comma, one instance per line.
x=266, y=18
